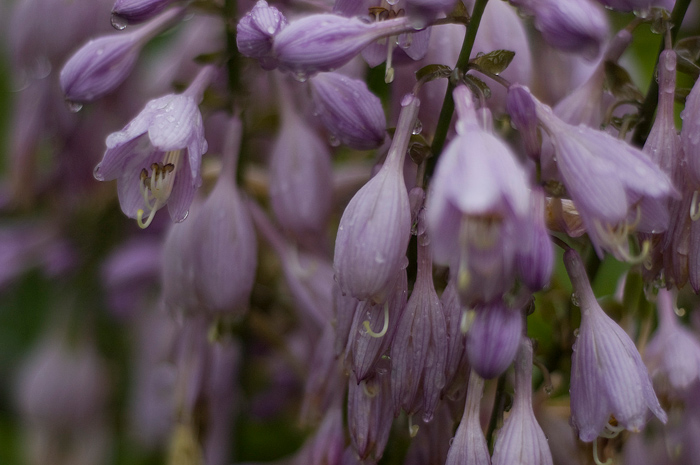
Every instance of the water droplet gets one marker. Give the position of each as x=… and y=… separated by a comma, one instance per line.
x=333, y=141
x=379, y=258
x=271, y=30
x=392, y=2
x=100, y=51
x=404, y=263
x=118, y=22
x=548, y=389
x=576, y=332
x=301, y=76
x=74, y=107
x=184, y=217
x=417, y=128
x=574, y=299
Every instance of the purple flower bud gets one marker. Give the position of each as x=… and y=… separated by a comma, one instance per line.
x=300, y=178
x=136, y=11
x=344, y=307
x=324, y=42
x=493, y=336
x=523, y=115
x=690, y=133
x=102, y=64
x=673, y=354
x=456, y=364
x=156, y=158
x=256, y=31
x=608, y=376
x=419, y=348
x=469, y=444
x=606, y=178
x=222, y=233
x=376, y=225
x=370, y=415
x=663, y=145
x=351, y=113
x=535, y=258
x=521, y=440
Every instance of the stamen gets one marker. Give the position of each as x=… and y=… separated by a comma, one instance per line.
x=611, y=431
x=386, y=323
x=595, y=454
x=389, y=73
x=412, y=429
x=467, y=320
x=616, y=238
x=156, y=188
x=694, y=210
x=151, y=215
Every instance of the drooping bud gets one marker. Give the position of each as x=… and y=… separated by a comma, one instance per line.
x=376, y=225
x=535, y=258
x=102, y=64
x=351, y=113
x=521, y=440
x=370, y=415
x=456, y=364
x=256, y=31
x=136, y=11
x=523, y=115
x=608, y=376
x=690, y=133
x=493, y=336
x=469, y=444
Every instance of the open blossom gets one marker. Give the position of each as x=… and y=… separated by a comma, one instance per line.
x=608, y=376
x=156, y=158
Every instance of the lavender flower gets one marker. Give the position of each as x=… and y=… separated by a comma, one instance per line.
x=102, y=64
x=469, y=444
x=456, y=365
x=535, y=260
x=136, y=11
x=607, y=373
x=521, y=440
x=256, y=31
x=370, y=415
x=324, y=42
x=493, y=336
x=351, y=113
x=167, y=137
x=673, y=354
x=375, y=227
x=690, y=133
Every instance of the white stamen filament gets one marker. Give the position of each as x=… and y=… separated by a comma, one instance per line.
x=617, y=236
x=157, y=187
x=595, y=454
x=694, y=210
x=386, y=323
x=412, y=429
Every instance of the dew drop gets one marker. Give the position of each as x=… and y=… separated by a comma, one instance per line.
x=184, y=217
x=576, y=332
x=333, y=141
x=404, y=263
x=417, y=128
x=118, y=22
x=392, y=2
x=548, y=388
x=301, y=76
x=73, y=107
x=574, y=299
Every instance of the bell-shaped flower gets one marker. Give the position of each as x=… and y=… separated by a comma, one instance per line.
x=493, y=335
x=300, y=177
x=419, y=347
x=99, y=66
x=577, y=26
x=352, y=114
x=256, y=31
x=521, y=440
x=223, y=234
x=376, y=225
x=608, y=376
x=468, y=447
x=673, y=353
x=324, y=42
x=156, y=158
x=136, y=11
x=606, y=179
x=370, y=415
x=478, y=202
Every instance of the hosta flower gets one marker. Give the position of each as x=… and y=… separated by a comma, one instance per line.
x=535, y=260
x=156, y=158
x=376, y=225
x=469, y=444
x=256, y=30
x=690, y=133
x=370, y=415
x=521, y=440
x=136, y=11
x=99, y=66
x=608, y=377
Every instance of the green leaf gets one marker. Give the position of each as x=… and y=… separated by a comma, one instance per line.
x=686, y=66
x=619, y=83
x=432, y=72
x=459, y=13
x=689, y=48
x=494, y=62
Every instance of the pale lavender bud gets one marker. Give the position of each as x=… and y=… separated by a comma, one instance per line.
x=690, y=133
x=523, y=116
x=104, y=63
x=578, y=26
x=256, y=30
x=456, y=364
x=156, y=158
x=605, y=178
x=300, y=178
x=344, y=307
x=370, y=415
x=324, y=42
x=535, y=257
x=352, y=114
x=136, y=11
x=493, y=336
x=419, y=348
x=673, y=353
x=608, y=376
x=468, y=447
x=223, y=234
x=663, y=145
x=376, y=225
x=521, y=440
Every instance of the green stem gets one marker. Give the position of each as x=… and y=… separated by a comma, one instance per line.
x=448, y=104
x=646, y=114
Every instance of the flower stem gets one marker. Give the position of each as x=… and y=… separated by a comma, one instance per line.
x=448, y=104
x=646, y=113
